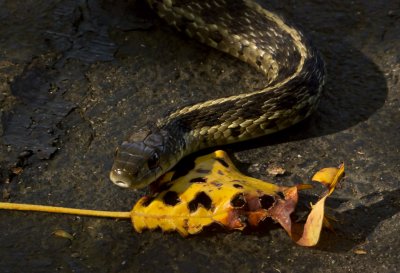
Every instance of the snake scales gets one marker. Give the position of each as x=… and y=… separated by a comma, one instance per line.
x=243, y=29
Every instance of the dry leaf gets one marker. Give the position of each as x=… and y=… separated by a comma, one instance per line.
x=63, y=234
x=308, y=235
x=360, y=251
x=17, y=170
x=214, y=191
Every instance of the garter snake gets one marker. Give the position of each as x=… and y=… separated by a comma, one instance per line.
x=242, y=28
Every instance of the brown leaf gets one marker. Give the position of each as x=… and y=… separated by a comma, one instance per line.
x=17, y=170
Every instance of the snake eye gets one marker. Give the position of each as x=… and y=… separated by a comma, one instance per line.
x=153, y=161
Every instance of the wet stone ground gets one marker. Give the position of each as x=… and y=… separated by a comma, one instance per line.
x=76, y=77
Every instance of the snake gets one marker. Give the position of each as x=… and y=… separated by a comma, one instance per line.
x=293, y=67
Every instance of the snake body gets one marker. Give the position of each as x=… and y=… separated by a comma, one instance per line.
x=242, y=28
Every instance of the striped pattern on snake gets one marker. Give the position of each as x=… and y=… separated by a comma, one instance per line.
x=242, y=28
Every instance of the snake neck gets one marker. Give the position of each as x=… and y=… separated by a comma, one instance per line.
x=294, y=70
x=238, y=118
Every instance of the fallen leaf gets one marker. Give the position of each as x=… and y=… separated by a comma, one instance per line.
x=212, y=192
x=308, y=235
x=17, y=170
x=360, y=251
x=63, y=234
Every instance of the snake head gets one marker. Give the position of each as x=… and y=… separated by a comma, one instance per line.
x=137, y=161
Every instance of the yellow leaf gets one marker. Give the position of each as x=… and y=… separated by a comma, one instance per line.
x=330, y=176
x=63, y=234
x=214, y=191
x=360, y=251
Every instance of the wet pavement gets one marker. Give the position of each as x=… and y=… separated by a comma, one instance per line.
x=77, y=77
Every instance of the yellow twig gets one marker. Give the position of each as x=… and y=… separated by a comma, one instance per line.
x=85, y=212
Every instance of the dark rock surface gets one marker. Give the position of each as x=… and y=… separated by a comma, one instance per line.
x=76, y=77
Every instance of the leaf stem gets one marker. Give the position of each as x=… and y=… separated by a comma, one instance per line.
x=52, y=209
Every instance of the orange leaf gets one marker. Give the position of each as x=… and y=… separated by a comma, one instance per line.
x=312, y=228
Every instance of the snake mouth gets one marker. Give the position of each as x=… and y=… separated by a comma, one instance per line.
x=121, y=183
x=124, y=179
x=121, y=178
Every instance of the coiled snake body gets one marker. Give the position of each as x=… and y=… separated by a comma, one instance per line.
x=245, y=30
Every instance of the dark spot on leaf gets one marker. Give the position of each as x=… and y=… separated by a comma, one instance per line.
x=198, y=180
x=222, y=161
x=185, y=224
x=183, y=168
x=201, y=199
x=220, y=172
x=203, y=171
x=217, y=184
x=238, y=186
x=171, y=198
x=147, y=201
x=267, y=201
x=238, y=201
